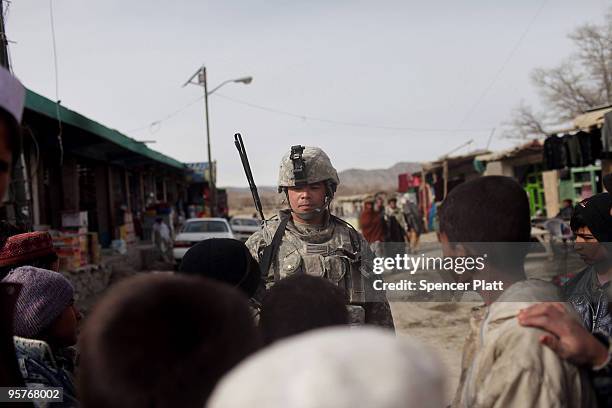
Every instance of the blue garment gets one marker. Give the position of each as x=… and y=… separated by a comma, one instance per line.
x=40, y=368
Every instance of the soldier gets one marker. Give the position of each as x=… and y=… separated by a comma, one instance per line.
x=307, y=238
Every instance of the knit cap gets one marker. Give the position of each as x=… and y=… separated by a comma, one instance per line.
x=44, y=296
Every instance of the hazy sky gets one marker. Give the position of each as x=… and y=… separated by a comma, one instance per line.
x=403, y=64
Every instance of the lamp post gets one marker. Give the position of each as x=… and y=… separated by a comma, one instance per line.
x=202, y=81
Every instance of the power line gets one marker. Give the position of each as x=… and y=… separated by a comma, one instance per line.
x=154, y=126
x=342, y=123
x=157, y=122
x=503, y=66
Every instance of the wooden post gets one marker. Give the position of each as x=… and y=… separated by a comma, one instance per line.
x=550, y=182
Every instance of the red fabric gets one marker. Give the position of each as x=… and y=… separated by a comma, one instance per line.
x=403, y=182
x=372, y=225
x=22, y=247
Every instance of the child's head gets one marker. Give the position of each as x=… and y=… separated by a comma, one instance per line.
x=44, y=307
x=486, y=209
x=490, y=209
x=225, y=260
x=300, y=303
x=28, y=249
x=162, y=340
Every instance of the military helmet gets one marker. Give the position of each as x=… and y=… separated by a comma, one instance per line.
x=306, y=165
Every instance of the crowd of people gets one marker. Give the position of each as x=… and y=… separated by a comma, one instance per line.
x=290, y=319
x=389, y=224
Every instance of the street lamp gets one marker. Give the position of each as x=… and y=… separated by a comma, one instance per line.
x=202, y=81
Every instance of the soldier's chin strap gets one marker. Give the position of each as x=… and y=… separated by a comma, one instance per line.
x=312, y=214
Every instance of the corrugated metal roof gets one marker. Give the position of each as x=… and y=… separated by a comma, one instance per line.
x=47, y=107
x=591, y=118
x=533, y=146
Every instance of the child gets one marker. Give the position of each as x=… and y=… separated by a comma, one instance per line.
x=162, y=341
x=45, y=325
x=503, y=363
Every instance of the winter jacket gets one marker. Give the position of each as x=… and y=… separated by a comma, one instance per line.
x=588, y=297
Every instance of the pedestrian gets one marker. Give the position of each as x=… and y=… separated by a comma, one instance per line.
x=503, y=363
x=162, y=341
x=591, y=223
x=307, y=238
x=336, y=368
x=45, y=327
x=372, y=225
x=565, y=213
x=396, y=223
x=414, y=222
x=300, y=303
x=229, y=261
x=162, y=239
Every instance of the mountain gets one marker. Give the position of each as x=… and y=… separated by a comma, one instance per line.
x=357, y=181
x=352, y=181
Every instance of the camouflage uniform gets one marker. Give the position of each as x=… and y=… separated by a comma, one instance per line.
x=333, y=250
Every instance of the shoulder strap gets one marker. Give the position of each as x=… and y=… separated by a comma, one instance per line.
x=356, y=243
x=270, y=250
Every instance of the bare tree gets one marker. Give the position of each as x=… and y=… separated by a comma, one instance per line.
x=581, y=82
x=526, y=123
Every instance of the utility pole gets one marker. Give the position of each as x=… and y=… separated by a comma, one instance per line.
x=211, y=179
x=4, y=60
x=203, y=81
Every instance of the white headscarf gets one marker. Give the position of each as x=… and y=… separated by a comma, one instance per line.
x=336, y=368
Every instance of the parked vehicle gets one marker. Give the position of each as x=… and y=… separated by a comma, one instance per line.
x=244, y=227
x=198, y=229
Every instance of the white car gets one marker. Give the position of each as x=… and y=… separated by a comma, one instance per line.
x=244, y=227
x=198, y=229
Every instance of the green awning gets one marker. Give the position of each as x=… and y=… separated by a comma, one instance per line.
x=47, y=107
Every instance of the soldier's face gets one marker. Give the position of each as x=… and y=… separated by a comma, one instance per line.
x=307, y=198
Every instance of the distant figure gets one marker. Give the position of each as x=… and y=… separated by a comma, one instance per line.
x=414, y=220
x=565, y=213
x=336, y=367
x=300, y=303
x=396, y=222
x=372, y=225
x=162, y=341
x=162, y=239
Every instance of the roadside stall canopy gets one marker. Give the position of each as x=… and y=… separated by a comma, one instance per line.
x=99, y=142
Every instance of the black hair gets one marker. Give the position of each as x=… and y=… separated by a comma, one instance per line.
x=486, y=209
x=162, y=341
x=300, y=303
x=607, y=182
x=224, y=260
x=577, y=221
